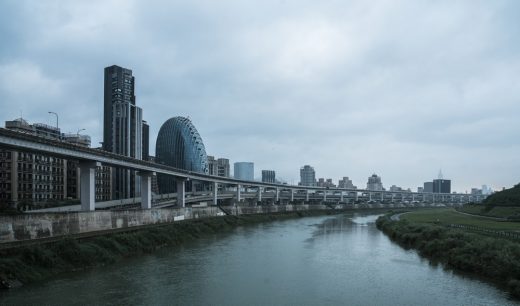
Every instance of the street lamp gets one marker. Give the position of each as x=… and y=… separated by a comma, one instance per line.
x=57, y=128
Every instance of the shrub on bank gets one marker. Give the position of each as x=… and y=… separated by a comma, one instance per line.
x=489, y=257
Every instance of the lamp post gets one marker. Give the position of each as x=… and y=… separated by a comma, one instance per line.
x=57, y=119
x=77, y=134
x=57, y=127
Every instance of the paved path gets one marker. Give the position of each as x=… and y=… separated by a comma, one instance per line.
x=480, y=216
x=397, y=217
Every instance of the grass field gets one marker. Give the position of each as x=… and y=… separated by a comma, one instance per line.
x=450, y=216
x=497, y=211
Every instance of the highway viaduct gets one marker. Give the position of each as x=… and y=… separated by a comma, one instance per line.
x=234, y=189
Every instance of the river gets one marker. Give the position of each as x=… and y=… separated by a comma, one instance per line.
x=326, y=260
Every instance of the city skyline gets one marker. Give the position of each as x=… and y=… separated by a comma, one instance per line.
x=283, y=105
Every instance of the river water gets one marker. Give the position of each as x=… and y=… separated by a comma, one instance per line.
x=326, y=260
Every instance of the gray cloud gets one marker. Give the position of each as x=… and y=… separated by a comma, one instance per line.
x=400, y=88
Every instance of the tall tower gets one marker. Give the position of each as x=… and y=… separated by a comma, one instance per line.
x=122, y=127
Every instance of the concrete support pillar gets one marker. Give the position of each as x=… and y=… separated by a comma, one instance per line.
x=324, y=195
x=341, y=196
x=393, y=197
x=146, y=189
x=277, y=198
x=356, y=195
x=292, y=195
x=215, y=193
x=239, y=196
x=88, y=184
x=181, y=192
x=413, y=197
x=307, y=196
x=259, y=195
x=382, y=196
x=370, y=196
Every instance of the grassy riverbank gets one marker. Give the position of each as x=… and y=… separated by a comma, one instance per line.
x=447, y=216
x=31, y=263
x=493, y=258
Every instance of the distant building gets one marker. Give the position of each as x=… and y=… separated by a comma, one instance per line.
x=420, y=189
x=395, y=188
x=346, y=183
x=476, y=191
x=441, y=186
x=244, y=171
x=268, y=176
x=307, y=176
x=325, y=183
x=223, y=168
x=428, y=187
x=212, y=165
x=374, y=183
x=218, y=167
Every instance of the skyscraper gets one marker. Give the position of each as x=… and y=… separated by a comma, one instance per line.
x=244, y=171
x=122, y=127
x=307, y=176
x=268, y=176
x=374, y=183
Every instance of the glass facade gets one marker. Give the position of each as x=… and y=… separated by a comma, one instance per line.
x=179, y=145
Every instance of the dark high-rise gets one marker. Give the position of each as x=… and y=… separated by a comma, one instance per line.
x=268, y=176
x=122, y=127
x=442, y=186
x=146, y=141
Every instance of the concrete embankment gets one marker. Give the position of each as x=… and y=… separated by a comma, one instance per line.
x=29, y=262
x=45, y=226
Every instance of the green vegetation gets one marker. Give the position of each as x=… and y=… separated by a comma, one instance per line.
x=506, y=212
x=508, y=197
x=40, y=261
x=493, y=258
x=447, y=216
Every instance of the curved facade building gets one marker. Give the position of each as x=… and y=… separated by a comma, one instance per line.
x=179, y=145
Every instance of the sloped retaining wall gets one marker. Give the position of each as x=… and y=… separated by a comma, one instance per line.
x=50, y=225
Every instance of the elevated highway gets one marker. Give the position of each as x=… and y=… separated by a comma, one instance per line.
x=237, y=190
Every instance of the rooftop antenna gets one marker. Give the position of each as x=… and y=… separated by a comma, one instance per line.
x=440, y=174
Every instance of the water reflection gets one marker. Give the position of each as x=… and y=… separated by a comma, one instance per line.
x=325, y=260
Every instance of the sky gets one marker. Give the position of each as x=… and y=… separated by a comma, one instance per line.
x=397, y=88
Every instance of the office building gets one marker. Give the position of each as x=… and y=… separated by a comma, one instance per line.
x=223, y=167
x=346, y=183
x=441, y=186
x=325, y=183
x=179, y=145
x=428, y=187
x=420, y=189
x=123, y=131
x=244, y=171
x=374, y=183
x=307, y=176
x=212, y=165
x=268, y=176
x=146, y=141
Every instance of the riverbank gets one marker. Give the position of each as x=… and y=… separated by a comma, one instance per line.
x=37, y=262
x=495, y=259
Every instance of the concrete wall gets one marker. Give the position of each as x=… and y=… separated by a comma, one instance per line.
x=47, y=225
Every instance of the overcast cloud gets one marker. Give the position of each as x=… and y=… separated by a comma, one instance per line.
x=397, y=88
